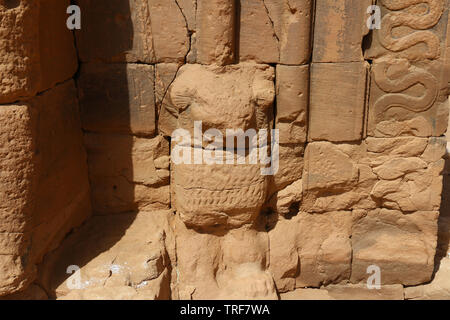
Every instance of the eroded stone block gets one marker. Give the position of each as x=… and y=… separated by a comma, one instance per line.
x=37, y=49
x=402, y=246
x=292, y=85
x=117, y=98
x=408, y=55
x=62, y=198
x=216, y=31
x=275, y=31
x=17, y=185
x=123, y=256
x=338, y=99
x=44, y=187
x=339, y=29
x=127, y=173
x=311, y=249
x=132, y=31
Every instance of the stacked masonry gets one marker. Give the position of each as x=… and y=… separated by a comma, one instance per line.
x=361, y=117
x=44, y=189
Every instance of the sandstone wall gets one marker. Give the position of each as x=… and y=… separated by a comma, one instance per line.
x=44, y=190
x=361, y=116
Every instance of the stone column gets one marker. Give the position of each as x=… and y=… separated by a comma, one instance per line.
x=44, y=190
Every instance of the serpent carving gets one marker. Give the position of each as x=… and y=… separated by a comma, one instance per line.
x=416, y=22
x=411, y=75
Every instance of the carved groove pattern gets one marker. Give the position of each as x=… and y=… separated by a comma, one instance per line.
x=411, y=75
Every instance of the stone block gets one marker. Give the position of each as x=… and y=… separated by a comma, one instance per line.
x=132, y=31
x=273, y=31
x=292, y=85
x=127, y=173
x=339, y=30
x=338, y=99
x=117, y=98
x=37, y=49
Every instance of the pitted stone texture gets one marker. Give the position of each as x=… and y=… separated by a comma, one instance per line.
x=402, y=245
x=273, y=31
x=346, y=292
x=437, y=289
x=36, y=50
x=62, y=197
x=225, y=194
x=216, y=31
x=117, y=98
x=17, y=183
x=209, y=266
x=45, y=190
x=123, y=256
x=308, y=250
x=395, y=173
x=132, y=31
x=128, y=173
x=232, y=97
x=165, y=74
x=292, y=85
x=230, y=194
x=339, y=30
x=338, y=99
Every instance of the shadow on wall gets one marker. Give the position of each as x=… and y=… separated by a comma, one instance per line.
x=103, y=88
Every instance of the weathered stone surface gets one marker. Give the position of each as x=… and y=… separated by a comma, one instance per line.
x=118, y=257
x=408, y=53
x=44, y=185
x=306, y=294
x=128, y=173
x=354, y=180
x=17, y=183
x=57, y=53
x=19, y=37
x=165, y=74
x=361, y=292
x=346, y=292
x=237, y=274
x=395, y=173
x=337, y=177
x=292, y=86
x=250, y=108
x=37, y=49
x=208, y=194
x=132, y=31
x=257, y=39
x=33, y=292
x=62, y=197
x=216, y=31
x=338, y=98
x=308, y=250
x=117, y=98
x=339, y=29
x=274, y=31
x=224, y=110
x=291, y=165
x=437, y=289
x=402, y=246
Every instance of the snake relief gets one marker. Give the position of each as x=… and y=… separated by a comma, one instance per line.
x=410, y=75
x=416, y=22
